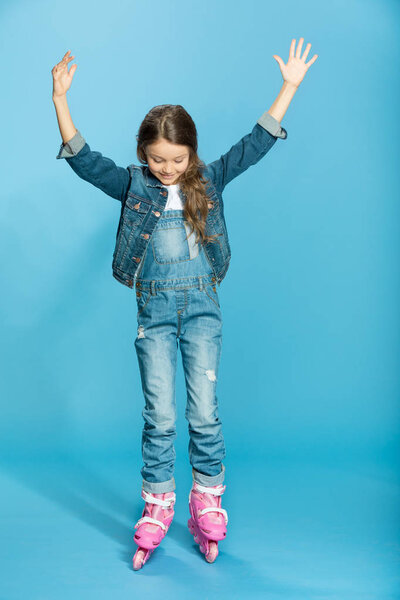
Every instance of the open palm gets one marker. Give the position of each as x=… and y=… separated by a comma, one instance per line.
x=294, y=70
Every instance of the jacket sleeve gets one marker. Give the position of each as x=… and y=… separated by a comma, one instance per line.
x=247, y=151
x=92, y=166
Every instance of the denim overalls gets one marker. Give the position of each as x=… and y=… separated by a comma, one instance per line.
x=177, y=300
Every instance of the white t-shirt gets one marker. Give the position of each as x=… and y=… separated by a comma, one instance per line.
x=174, y=202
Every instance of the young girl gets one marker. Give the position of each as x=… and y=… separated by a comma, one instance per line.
x=172, y=247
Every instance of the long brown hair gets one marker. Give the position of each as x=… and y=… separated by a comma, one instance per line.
x=173, y=123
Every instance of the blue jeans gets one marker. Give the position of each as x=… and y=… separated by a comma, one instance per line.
x=178, y=305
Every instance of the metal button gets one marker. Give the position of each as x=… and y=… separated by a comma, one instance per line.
x=137, y=258
x=146, y=236
x=137, y=206
x=213, y=287
x=164, y=193
x=213, y=278
x=138, y=294
x=138, y=284
x=157, y=213
x=130, y=282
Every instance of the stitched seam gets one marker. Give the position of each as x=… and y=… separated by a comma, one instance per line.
x=145, y=304
x=211, y=298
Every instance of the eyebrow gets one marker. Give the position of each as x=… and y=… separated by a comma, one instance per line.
x=158, y=156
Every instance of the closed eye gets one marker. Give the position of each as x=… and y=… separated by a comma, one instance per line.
x=158, y=161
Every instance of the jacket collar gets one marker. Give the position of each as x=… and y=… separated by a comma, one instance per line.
x=150, y=179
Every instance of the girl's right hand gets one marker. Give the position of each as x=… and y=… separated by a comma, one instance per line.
x=61, y=77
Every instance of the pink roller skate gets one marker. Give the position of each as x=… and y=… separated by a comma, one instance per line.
x=153, y=525
x=208, y=520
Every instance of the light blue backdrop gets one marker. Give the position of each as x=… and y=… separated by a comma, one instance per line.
x=310, y=359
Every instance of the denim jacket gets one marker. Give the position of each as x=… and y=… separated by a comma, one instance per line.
x=143, y=197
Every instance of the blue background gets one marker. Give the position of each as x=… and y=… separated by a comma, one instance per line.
x=308, y=385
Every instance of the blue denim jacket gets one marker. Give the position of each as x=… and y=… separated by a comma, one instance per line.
x=143, y=197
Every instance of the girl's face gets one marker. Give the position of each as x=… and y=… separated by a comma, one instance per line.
x=167, y=161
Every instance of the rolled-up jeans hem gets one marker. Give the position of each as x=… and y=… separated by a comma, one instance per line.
x=209, y=480
x=159, y=487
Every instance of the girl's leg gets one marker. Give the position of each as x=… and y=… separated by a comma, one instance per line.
x=156, y=349
x=200, y=343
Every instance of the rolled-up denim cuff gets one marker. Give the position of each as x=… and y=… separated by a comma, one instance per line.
x=272, y=125
x=159, y=488
x=208, y=480
x=72, y=147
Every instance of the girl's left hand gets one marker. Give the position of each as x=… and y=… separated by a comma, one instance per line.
x=295, y=69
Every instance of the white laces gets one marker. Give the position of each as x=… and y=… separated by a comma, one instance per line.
x=148, y=497
x=210, y=490
x=215, y=492
x=150, y=520
x=151, y=500
x=215, y=509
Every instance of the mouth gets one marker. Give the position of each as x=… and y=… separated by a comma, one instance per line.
x=167, y=176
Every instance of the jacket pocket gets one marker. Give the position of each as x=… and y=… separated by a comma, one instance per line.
x=135, y=210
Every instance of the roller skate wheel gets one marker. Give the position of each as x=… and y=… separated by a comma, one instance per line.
x=212, y=552
x=139, y=558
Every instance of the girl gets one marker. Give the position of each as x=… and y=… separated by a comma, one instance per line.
x=172, y=247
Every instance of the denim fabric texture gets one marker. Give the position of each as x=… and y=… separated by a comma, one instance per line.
x=143, y=196
x=178, y=306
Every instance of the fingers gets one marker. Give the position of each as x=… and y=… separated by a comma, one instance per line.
x=63, y=64
x=306, y=51
x=298, y=51
x=310, y=62
x=293, y=57
x=292, y=46
x=279, y=61
x=67, y=60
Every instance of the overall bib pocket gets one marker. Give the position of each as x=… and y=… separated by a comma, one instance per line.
x=169, y=243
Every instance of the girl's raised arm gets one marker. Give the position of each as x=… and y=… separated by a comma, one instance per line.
x=293, y=74
x=253, y=146
x=62, y=80
x=91, y=166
